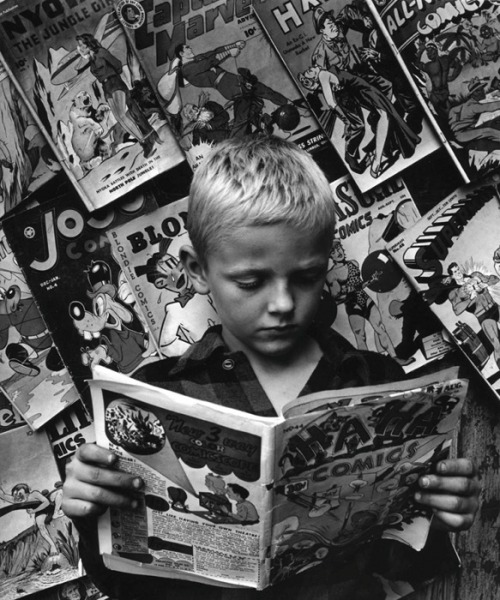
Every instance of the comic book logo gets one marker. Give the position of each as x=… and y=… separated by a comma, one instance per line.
x=131, y=14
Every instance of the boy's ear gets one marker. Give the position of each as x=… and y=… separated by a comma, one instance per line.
x=194, y=268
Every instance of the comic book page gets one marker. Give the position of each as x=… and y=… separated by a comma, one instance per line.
x=376, y=307
x=452, y=257
x=147, y=250
x=32, y=374
x=283, y=493
x=78, y=286
x=72, y=428
x=207, y=474
x=26, y=159
x=345, y=474
x=78, y=589
x=353, y=83
x=38, y=544
x=72, y=63
x=451, y=52
x=217, y=75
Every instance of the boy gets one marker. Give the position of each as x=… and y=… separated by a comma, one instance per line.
x=261, y=222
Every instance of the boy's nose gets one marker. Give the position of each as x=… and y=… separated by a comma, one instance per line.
x=282, y=300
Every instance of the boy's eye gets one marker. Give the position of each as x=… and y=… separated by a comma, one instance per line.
x=248, y=284
x=310, y=276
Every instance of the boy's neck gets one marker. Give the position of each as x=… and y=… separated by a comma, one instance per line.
x=284, y=377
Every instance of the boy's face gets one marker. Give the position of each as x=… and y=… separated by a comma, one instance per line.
x=266, y=283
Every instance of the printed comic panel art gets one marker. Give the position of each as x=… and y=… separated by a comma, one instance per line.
x=461, y=279
x=454, y=57
x=218, y=79
x=354, y=85
x=78, y=589
x=39, y=545
x=344, y=483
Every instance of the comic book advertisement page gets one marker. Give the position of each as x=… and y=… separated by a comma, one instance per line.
x=72, y=64
x=216, y=74
x=71, y=429
x=78, y=286
x=353, y=83
x=147, y=250
x=38, y=544
x=452, y=257
x=26, y=158
x=376, y=307
x=32, y=374
x=345, y=474
x=78, y=589
x=207, y=471
x=451, y=51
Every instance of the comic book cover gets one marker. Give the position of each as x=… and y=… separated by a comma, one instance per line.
x=237, y=499
x=452, y=257
x=78, y=589
x=217, y=75
x=68, y=431
x=353, y=83
x=78, y=286
x=450, y=51
x=72, y=64
x=32, y=374
x=147, y=249
x=38, y=543
x=26, y=159
x=376, y=306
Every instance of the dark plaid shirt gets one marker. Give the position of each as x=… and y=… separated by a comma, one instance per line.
x=209, y=371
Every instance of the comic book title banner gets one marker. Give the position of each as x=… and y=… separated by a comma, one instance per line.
x=168, y=25
x=407, y=20
x=44, y=20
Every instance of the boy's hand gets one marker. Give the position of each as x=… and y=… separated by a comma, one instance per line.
x=93, y=484
x=452, y=493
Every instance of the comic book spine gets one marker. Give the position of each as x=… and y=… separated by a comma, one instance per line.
x=444, y=140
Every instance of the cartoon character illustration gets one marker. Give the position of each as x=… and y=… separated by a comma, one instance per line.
x=188, y=314
x=119, y=345
x=42, y=505
x=89, y=131
x=20, y=313
x=246, y=513
x=106, y=68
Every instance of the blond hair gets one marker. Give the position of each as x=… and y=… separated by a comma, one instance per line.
x=254, y=181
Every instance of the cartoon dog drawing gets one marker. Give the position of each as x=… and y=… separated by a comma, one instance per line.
x=122, y=346
x=22, y=315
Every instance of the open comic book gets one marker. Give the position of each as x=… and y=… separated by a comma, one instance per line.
x=234, y=499
x=217, y=75
x=71, y=63
x=451, y=54
x=343, y=66
x=452, y=257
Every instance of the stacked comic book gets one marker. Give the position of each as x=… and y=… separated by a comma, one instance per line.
x=452, y=257
x=72, y=65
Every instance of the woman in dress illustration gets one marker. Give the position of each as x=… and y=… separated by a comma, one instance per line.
x=392, y=136
x=107, y=69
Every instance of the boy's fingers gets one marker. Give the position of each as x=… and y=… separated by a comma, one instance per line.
x=93, y=500
x=451, y=521
x=450, y=503
x=108, y=478
x=91, y=453
x=463, y=486
x=457, y=466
